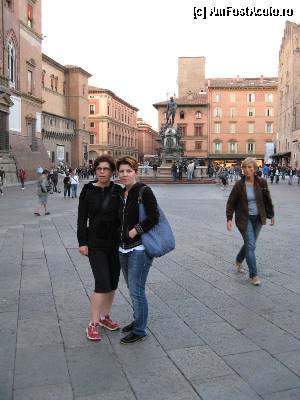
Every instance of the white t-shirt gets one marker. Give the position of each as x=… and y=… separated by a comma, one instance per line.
x=74, y=180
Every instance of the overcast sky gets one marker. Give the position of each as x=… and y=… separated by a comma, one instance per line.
x=132, y=46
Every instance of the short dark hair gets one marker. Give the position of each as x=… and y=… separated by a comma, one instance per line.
x=128, y=160
x=105, y=158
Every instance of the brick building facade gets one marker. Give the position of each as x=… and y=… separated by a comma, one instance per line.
x=21, y=65
x=242, y=118
x=112, y=125
x=288, y=137
x=223, y=120
x=147, y=139
x=65, y=113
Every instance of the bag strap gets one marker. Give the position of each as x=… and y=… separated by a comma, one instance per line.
x=140, y=198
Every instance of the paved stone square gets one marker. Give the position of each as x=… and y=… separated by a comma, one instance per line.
x=212, y=335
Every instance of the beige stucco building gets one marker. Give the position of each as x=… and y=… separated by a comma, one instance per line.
x=65, y=112
x=112, y=125
x=287, y=139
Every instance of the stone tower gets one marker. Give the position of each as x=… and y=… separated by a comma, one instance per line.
x=191, y=75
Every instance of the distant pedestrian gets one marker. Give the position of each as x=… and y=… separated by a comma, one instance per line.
x=155, y=168
x=190, y=170
x=290, y=174
x=174, y=171
x=54, y=179
x=67, y=185
x=298, y=176
x=74, y=184
x=43, y=188
x=2, y=180
x=22, y=177
x=277, y=175
x=247, y=201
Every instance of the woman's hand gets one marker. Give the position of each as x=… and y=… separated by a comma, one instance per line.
x=272, y=221
x=229, y=226
x=132, y=234
x=83, y=250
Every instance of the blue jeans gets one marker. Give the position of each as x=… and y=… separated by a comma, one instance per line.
x=135, y=266
x=248, y=249
x=74, y=190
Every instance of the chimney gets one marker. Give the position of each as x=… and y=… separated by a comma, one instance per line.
x=261, y=79
x=237, y=78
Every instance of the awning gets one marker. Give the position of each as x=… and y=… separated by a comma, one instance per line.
x=285, y=154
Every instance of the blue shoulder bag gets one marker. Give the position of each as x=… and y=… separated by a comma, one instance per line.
x=160, y=239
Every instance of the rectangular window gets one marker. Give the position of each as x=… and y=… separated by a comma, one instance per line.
x=198, y=130
x=108, y=110
x=232, y=147
x=217, y=127
x=198, y=145
x=232, y=127
x=217, y=98
x=92, y=108
x=183, y=129
x=29, y=15
x=250, y=148
x=198, y=115
x=92, y=124
x=251, y=128
x=232, y=97
x=92, y=139
x=251, y=112
x=269, y=112
x=56, y=83
x=52, y=82
x=218, y=112
x=217, y=147
x=269, y=97
x=29, y=81
x=232, y=112
x=269, y=127
x=251, y=97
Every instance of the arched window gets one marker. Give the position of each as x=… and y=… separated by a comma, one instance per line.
x=11, y=63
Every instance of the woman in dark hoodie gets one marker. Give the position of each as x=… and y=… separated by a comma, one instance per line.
x=135, y=262
x=98, y=237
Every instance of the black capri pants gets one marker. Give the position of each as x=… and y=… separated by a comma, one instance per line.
x=106, y=269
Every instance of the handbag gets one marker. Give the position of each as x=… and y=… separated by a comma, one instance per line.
x=159, y=240
x=268, y=203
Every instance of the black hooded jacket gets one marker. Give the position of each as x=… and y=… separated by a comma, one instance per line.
x=98, y=221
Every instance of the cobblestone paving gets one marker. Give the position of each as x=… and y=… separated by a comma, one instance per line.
x=212, y=336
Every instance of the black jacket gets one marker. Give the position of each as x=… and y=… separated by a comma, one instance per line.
x=99, y=209
x=129, y=215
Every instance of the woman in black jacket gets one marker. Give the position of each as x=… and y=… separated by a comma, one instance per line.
x=135, y=262
x=99, y=204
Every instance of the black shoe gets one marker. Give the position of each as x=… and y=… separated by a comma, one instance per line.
x=132, y=338
x=128, y=328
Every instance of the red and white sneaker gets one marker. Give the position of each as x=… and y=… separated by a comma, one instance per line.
x=109, y=324
x=93, y=331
